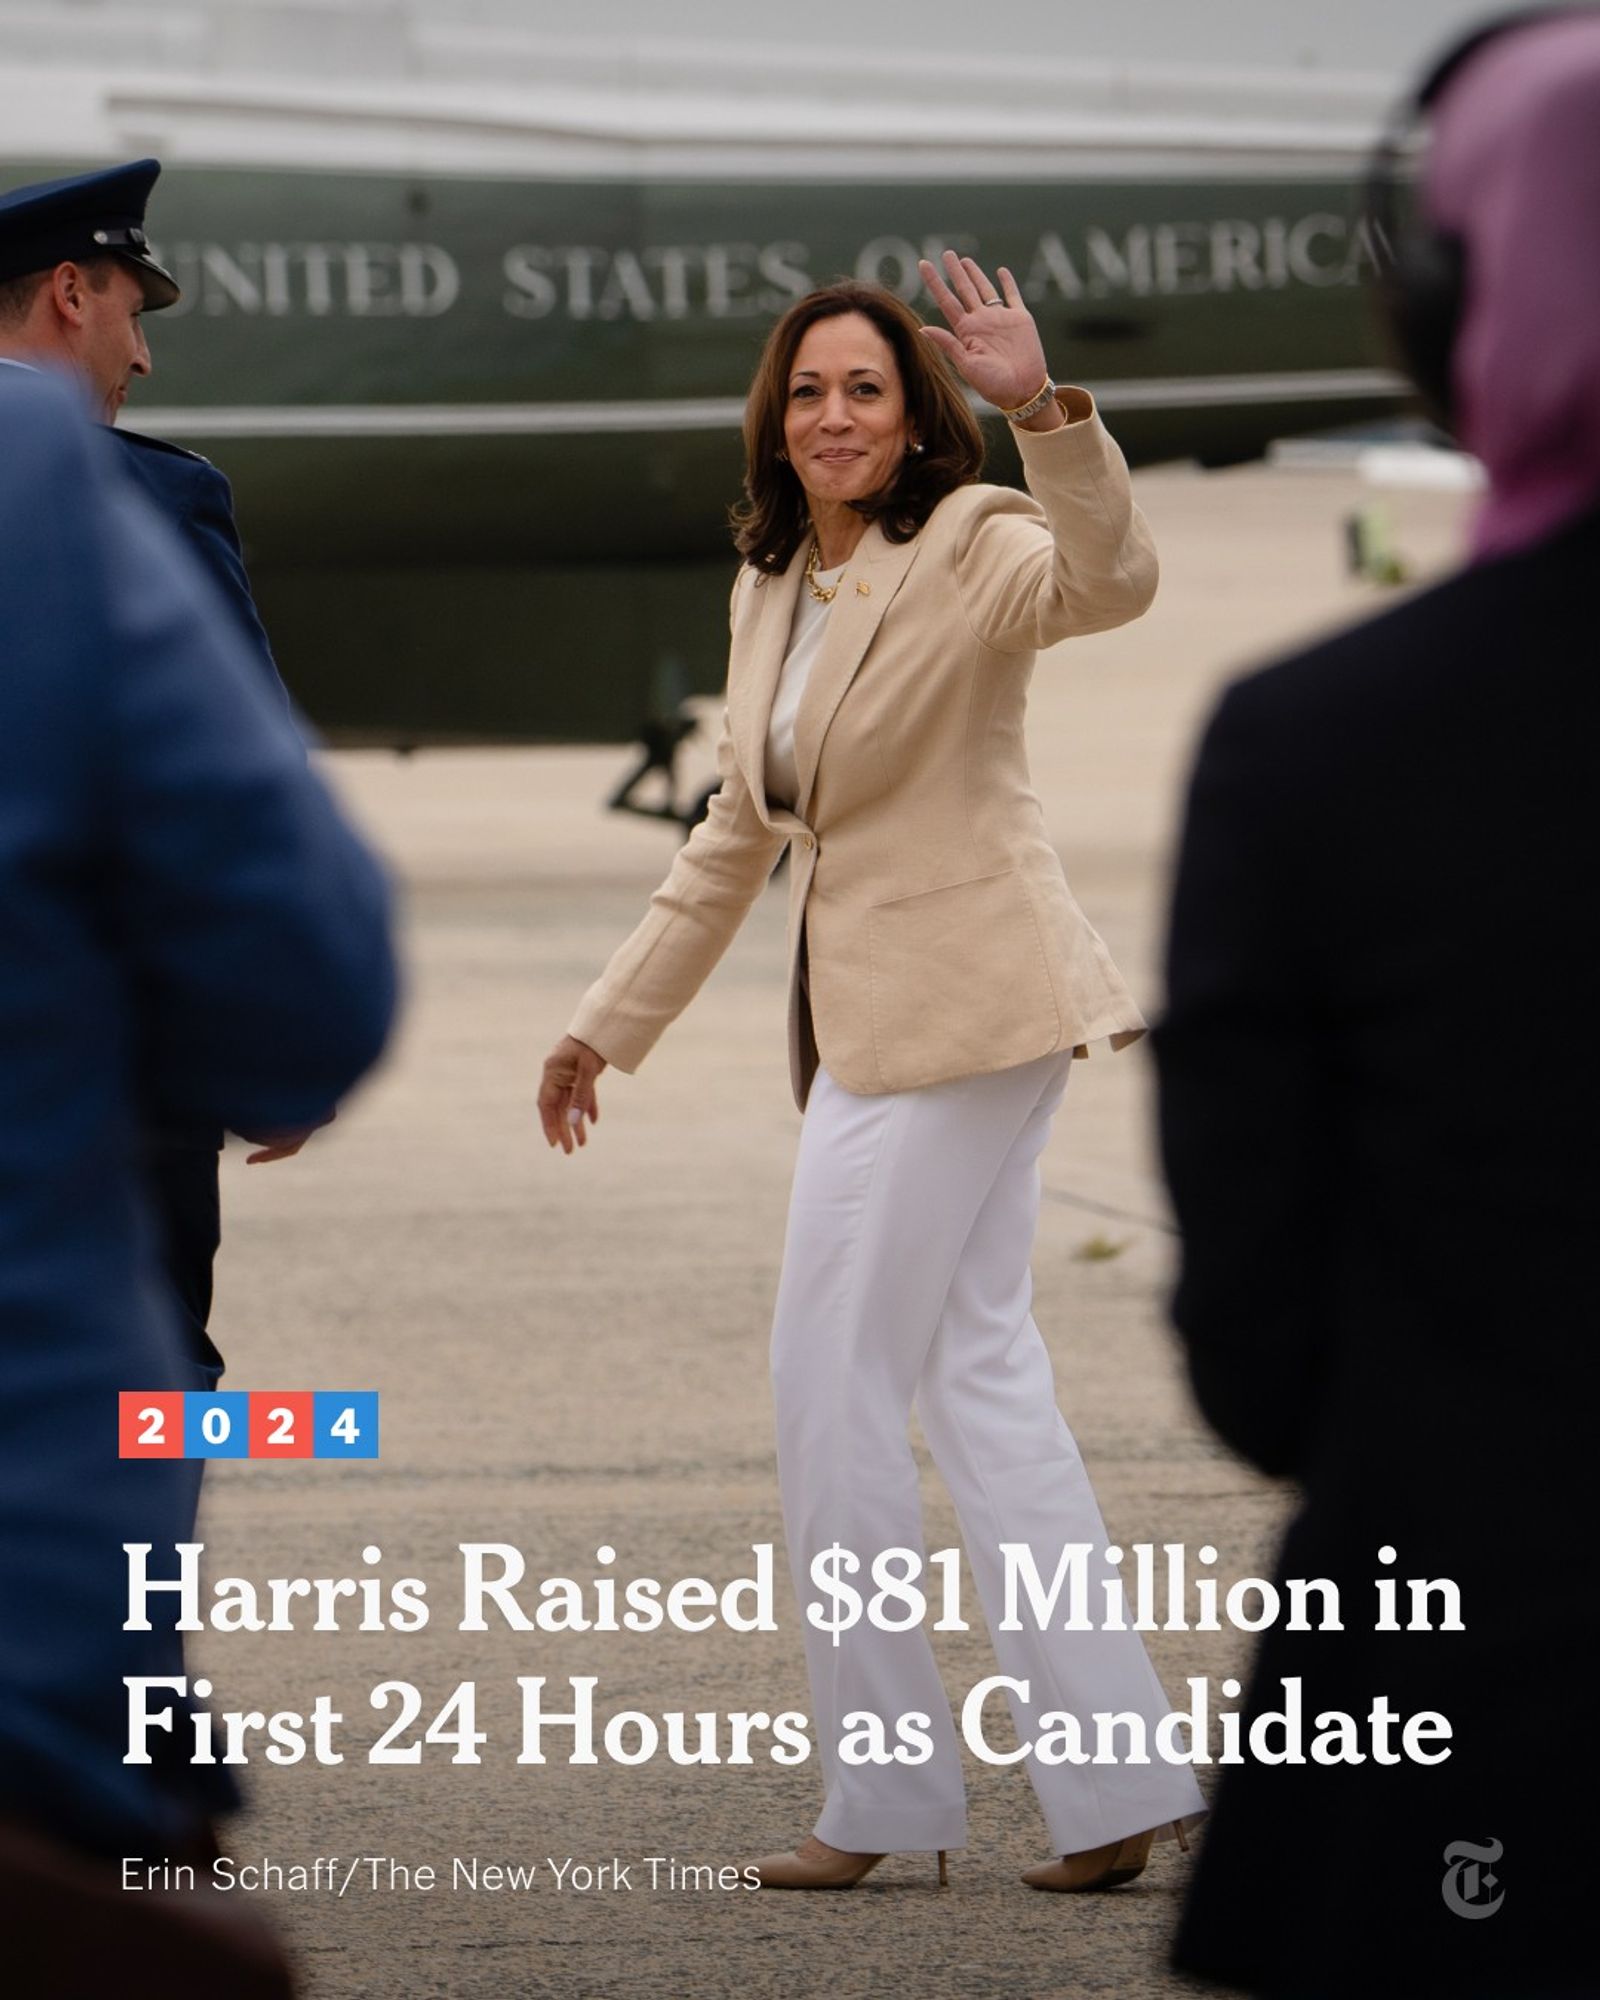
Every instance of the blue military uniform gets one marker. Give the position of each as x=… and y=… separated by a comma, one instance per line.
x=187, y=922
x=191, y=932
x=194, y=496
x=101, y=214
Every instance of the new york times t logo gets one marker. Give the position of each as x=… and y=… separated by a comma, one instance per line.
x=1468, y=1884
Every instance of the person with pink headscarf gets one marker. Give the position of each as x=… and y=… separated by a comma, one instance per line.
x=1380, y=1118
x=1514, y=174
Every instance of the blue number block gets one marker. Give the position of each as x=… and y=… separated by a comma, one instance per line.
x=346, y=1423
x=216, y=1425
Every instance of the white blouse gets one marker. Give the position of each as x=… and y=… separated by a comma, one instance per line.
x=805, y=643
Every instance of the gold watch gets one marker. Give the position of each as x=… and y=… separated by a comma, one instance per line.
x=1033, y=406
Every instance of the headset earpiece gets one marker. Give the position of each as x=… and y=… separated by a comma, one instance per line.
x=1419, y=273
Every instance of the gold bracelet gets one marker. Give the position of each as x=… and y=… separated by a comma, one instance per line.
x=1032, y=407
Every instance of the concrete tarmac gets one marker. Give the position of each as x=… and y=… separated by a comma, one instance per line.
x=572, y=1354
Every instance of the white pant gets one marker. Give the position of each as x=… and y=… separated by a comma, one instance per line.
x=905, y=1277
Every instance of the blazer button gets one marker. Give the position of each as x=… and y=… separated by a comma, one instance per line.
x=806, y=840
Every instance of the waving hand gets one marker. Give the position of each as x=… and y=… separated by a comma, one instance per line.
x=992, y=340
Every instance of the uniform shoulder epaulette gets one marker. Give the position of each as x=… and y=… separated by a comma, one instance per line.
x=159, y=444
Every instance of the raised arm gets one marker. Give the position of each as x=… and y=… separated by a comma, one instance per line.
x=1076, y=558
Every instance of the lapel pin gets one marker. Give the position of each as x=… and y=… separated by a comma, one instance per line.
x=863, y=588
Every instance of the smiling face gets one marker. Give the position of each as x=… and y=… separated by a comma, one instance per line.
x=108, y=343
x=845, y=426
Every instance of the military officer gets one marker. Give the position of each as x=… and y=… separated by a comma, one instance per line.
x=77, y=276
x=189, y=922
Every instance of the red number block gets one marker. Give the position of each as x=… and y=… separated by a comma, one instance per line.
x=150, y=1423
x=281, y=1426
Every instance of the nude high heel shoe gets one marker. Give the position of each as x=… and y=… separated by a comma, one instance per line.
x=816, y=1865
x=1105, y=1867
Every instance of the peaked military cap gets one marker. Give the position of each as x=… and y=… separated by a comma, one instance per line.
x=56, y=222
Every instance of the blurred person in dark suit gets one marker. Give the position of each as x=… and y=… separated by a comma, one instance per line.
x=1380, y=1112
x=77, y=277
x=188, y=923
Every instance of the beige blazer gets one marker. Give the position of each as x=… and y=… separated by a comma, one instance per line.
x=931, y=930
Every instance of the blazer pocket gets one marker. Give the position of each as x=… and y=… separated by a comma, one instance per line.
x=958, y=982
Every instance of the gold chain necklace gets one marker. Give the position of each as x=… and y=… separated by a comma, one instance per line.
x=813, y=564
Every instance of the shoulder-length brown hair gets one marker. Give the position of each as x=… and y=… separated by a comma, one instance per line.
x=770, y=522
